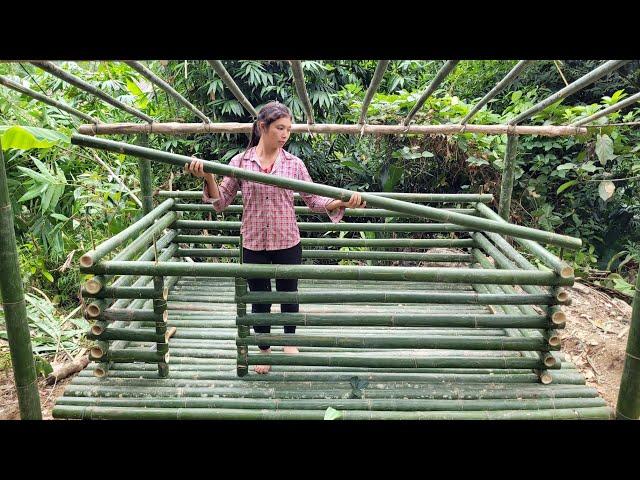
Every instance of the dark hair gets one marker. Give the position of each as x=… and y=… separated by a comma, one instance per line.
x=268, y=114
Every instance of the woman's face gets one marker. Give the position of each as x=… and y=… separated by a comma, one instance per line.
x=278, y=132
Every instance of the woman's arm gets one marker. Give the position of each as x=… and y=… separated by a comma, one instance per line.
x=220, y=196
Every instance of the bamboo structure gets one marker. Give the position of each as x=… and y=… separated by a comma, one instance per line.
x=613, y=108
x=628, y=407
x=174, y=128
x=146, y=182
x=15, y=310
x=437, y=80
x=301, y=89
x=381, y=67
x=231, y=85
x=508, y=176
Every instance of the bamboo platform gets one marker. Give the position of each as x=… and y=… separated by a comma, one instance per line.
x=203, y=383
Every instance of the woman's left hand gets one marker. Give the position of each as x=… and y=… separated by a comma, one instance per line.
x=355, y=201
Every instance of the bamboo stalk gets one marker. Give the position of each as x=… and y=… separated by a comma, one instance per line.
x=93, y=256
x=122, y=292
x=56, y=71
x=628, y=406
x=343, y=272
x=301, y=89
x=174, y=128
x=333, y=192
x=231, y=85
x=508, y=175
x=15, y=310
x=129, y=334
x=146, y=181
x=613, y=108
x=378, y=74
x=437, y=80
x=130, y=355
x=147, y=73
x=49, y=101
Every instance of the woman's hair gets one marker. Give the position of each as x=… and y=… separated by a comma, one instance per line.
x=268, y=114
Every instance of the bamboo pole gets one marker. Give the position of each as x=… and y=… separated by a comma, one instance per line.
x=628, y=407
x=146, y=182
x=613, y=108
x=504, y=83
x=343, y=272
x=147, y=73
x=93, y=256
x=49, y=101
x=159, y=307
x=508, y=177
x=301, y=89
x=56, y=71
x=381, y=67
x=231, y=85
x=438, y=79
x=175, y=128
x=407, y=197
x=15, y=309
x=570, y=89
x=333, y=192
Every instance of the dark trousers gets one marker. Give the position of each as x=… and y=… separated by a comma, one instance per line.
x=287, y=256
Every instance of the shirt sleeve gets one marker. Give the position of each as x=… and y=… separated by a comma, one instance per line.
x=318, y=203
x=228, y=189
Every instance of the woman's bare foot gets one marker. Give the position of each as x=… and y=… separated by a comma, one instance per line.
x=291, y=350
x=263, y=368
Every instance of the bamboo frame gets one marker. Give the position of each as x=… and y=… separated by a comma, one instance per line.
x=508, y=176
x=146, y=181
x=56, y=71
x=152, y=77
x=49, y=101
x=613, y=108
x=378, y=74
x=231, y=85
x=437, y=80
x=301, y=89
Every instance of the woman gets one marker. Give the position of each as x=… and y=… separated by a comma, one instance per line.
x=269, y=230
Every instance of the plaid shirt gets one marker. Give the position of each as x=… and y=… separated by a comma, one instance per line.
x=269, y=219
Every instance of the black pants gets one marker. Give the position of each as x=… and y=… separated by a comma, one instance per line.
x=287, y=256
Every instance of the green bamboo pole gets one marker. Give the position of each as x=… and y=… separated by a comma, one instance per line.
x=49, y=101
x=407, y=197
x=344, y=242
x=146, y=182
x=108, y=246
x=301, y=89
x=231, y=85
x=15, y=309
x=378, y=74
x=242, y=366
x=628, y=407
x=330, y=296
x=613, y=108
x=337, y=255
x=338, y=227
x=159, y=307
x=127, y=315
x=333, y=192
x=508, y=176
x=548, y=258
x=130, y=355
x=437, y=80
x=342, y=272
x=121, y=292
x=452, y=320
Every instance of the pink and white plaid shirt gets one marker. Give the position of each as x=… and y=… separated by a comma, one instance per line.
x=269, y=218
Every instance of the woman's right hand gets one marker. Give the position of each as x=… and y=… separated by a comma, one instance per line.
x=196, y=168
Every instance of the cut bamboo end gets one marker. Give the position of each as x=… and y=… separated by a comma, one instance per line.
x=165, y=316
x=545, y=377
x=562, y=296
x=97, y=352
x=100, y=372
x=165, y=293
x=93, y=286
x=566, y=272
x=553, y=340
x=549, y=360
x=559, y=318
x=97, y=329
x=86, y=260
x=93, y=310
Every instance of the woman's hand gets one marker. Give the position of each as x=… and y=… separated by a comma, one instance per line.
x=196, y=168
x=355, y=201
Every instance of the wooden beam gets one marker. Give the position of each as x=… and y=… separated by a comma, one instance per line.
x=54, y=70
x=574, y=87
x=231, y=85
x=439, y=78
x=373, y=88
x=174, y=128
x=43, y=98
x=152, y=77
x=298, y=77
x=504, y=83
x=613, y=108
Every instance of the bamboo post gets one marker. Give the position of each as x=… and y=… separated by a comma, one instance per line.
x=242, y=365
x=301, y=89
x=159, y=307
x=438, y=79
x=15, y=309
x=508, y=176
x=56, y=71
x=628, y=407
x=146, y=182
x=231, y=85
x=333, y=192
x=381, y=67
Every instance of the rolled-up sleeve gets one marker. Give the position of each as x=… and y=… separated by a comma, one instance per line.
x=318, y=203
x=228, y=189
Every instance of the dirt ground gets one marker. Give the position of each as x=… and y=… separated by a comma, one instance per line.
x=595, y=339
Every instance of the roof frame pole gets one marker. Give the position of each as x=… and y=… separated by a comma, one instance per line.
x=570, y=89
x=146, y=179
x=438, y=79
x=153, y=78
x=628, y=407
x=381, y=67
x=508, y=176
x=15, y=309
x=502, y=84
x=231, y=85
x=613, y=108
x=301, y=89
x=56, y=71
x=44, y=99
